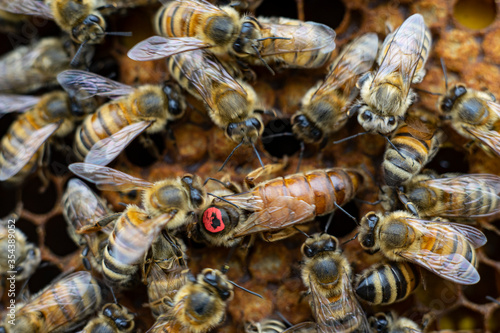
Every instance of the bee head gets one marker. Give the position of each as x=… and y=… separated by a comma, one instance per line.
x=91, y=30
x=120, y=316
x=246, y=43
x=380, y=323
x=195, y=188
x=305, y=130
x=217, y=280
x=451, y=97
x=247, y=131
x=368, y=225
x=176, y=105
x=319, y=243
x=372, y=122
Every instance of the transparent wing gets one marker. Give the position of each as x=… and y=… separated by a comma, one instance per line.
x=478, y=190
x=76, y=81
x=473, y=235
x=16, y=103
x=158, y=47
x=26, y=151
x=108, y=179
x=447, y=264
x=200, y=5
x=106, y=150
x=403, y=52
x=303, y=37
x=280, y=213
x=137, y=238
x=27, y=7
x=489, y=138
x=205, y=73
x=494, y=107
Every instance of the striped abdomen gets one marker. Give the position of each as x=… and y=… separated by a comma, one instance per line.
x=185, y=64
x=124, y=242
x=321, y=188
x=176, y=20
x=343, y=320
x=106, y=121
x=388, y=283
x=411, y=156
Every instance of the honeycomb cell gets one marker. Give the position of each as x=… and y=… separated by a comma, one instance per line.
x=29, y=230
x=446, y=160
x=43, y=276
x=276, y=145
x=332, y=12
x=491, y=47
x=457, y=47
x=286, y=8
x=475, y=14
x=57, y=238
x=36, y=201
x=461, y=319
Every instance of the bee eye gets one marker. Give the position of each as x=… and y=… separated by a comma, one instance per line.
x=460, y=90
x=174, y=107
x=120, y=323
x=255, y=123
x=367, y=116
x=391, y=121
x=308, y=252
x=330, y=245
x=447, y=104
x=92, y=19
x=368, y=241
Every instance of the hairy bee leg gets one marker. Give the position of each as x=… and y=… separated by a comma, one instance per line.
x=407, y=203
x=269, y=170
x=99, y=224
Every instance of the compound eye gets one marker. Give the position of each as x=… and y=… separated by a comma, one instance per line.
x=301, y=120
x=330, y=245
x=308, y=252
x=447, y=104
x=92, y=19
x=367, y=116
x=460, y=90
x=255, y=123
x=174, y=107
x=368, y=241
x=391, y=121
x=231, y=128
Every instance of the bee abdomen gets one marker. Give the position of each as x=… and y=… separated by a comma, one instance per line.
x=172, y=20
x=388, y=283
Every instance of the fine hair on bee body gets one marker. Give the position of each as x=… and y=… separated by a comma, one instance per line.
x=446, y=249
x=324, y=106
x=386, y=93
x=391, y=323
x=387, y=283
x=60, y=307
x=113, y=318
x=106, y=132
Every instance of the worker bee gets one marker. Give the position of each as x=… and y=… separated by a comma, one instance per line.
x=413, y=145
x=105, y=134
x=324, y=106
x=183, y=194
x=52, y=114
x=166, y=274
x=60, y=307
x=446, y=249
x=385, y=93
x=449, y=195
x=265, y=326
x=286, y=42
x=387, y=283
x=279, y=203
x=29, y=68
x=474, y=114
x=199, y=306
x=83, y=208
x=241, y=5
x=113, y=318
x=327, y=274
x=389, y=323
x=17, y=255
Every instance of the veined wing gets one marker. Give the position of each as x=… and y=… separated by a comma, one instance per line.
x=158, y=47
x=16, y=103
x=27, y=7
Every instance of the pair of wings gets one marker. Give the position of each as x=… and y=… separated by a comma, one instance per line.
x=479, y=190
x=403, y=50
x=490, y=138
x=69, y=292
x=326, y=318
x=87, y=85
x=356, y=58
x=452, y=266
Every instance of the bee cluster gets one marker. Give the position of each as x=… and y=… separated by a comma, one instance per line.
x=312, y=167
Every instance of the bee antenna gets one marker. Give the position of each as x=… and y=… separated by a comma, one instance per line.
x=444, y=74
x=262, y=39
x=230, y=155
x=277, y=135
x=350, y=137
x=282, y=317
x=118, y=33
x=393, y=146
x=221, y=198
x=244, y=289
x=301, y=155
x=372, y=203
x=350, y=240
x=489, y=298
x=262, y=59
x=75, y=61
x=214, y=180
x=258, y=156
x=428, y=92
x=113, y=294
x=122, y=204
x=302, y=232
x=345, y=212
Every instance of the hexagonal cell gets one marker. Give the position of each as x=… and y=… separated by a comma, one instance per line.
x=486, y=287
x=286, y=8
x=461, y=319
x=494, y=320
x=143, y=155
x=57, y=238
x=342, y=225
x=332, y=12
x=448, y=160
x=29, y=230
x=278, y=139
x=36, y=201
x=475, y=14
x=43, y=276
x=8, y=198
x=492, y=247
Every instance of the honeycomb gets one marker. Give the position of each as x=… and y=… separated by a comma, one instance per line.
x=466, y=34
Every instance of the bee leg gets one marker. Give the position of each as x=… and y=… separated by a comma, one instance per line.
x=270, y=169
x=245, y=71
x=42, y=164
x=85, y=259
x=407, y=203
x=300, y=10
x=99, y=224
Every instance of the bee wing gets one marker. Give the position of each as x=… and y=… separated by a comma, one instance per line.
x=479, y=190
x=403, y=52
x=452, y=266
x=137, y=238
x=107, y=149
x=420, y=130
x=280, y=213
x=157, y=47
x=473, y=235
x=76, y=81
x=16, y=103
x=108, y=179
x=27, y=7
x=309, y=36
x=200, y=5
x=26, y=151
x=307, y=326
x=489, y=138
x=73, y=291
